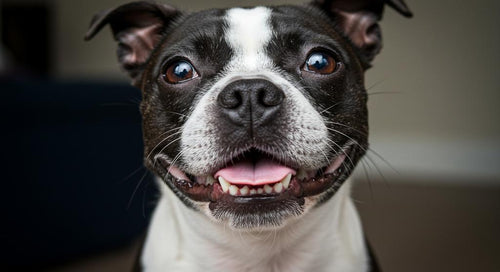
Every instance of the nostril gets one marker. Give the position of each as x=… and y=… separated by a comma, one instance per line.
x=270, y=97
x=230, y=99
x=250, y=102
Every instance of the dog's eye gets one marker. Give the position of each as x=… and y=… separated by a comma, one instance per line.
x=320, y=63
x=179, y=71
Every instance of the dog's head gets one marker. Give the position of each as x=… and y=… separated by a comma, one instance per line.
x=252, y=116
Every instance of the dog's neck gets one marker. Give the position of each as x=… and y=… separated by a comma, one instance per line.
x=328, y=238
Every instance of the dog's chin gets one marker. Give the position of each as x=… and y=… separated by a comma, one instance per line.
x=266, y=205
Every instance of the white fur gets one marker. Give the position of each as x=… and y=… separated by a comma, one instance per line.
x=248, y=33
x=328, y=238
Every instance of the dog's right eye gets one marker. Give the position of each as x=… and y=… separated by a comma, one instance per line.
x=320, y=63
x=179, y=72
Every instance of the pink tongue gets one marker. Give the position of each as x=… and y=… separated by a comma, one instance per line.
x=265, y=171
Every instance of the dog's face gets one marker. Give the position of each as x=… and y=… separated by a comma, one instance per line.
x=251, y=116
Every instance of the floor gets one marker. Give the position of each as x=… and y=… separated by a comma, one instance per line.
x=432, y=228
x=411, y=226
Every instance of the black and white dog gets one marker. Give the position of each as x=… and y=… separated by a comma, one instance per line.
x=253, y=120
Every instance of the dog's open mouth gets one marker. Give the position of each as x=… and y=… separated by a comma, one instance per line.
x=255, y=177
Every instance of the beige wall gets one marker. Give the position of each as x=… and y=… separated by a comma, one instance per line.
x=445, y=62
x=441, y=69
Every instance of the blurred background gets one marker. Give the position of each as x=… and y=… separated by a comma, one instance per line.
x=75, y=196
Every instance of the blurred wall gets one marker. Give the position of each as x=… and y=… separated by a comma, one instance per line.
x=434, y=88
x=445, y=65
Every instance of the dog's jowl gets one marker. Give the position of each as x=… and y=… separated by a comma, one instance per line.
x=253, y=120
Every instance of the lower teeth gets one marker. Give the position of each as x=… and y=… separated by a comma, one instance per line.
x=245, y=190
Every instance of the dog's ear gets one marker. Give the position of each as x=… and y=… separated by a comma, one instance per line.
x=138, y=27
x=358, y=19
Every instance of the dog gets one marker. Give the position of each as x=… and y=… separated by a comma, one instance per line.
x=253, y=120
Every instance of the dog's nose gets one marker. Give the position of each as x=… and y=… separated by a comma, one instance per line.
x=251, y=102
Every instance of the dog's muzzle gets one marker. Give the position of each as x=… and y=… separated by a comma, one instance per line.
x=261, y=141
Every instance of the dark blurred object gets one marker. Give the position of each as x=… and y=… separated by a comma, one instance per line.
x=26, y=35
x=68, y=160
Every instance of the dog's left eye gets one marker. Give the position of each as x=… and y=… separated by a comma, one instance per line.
x=320, y=63
x=179, y=72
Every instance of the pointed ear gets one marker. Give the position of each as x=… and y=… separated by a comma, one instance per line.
x=358, y=19
x=138, y=27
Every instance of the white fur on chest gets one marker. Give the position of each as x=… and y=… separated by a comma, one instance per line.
x=328, y=238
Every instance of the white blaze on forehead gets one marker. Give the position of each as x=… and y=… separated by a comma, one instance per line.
x=248, y=33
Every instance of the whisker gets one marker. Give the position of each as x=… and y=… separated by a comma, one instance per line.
x=367, y=176
x=368, y=149
x=349, y=127
x=343, y=151
x=384, y=160
x=382, y=92
x=375, y=84
x=155, y=159
x=161, y=142
x=177, y=113
x=174, y=161
x=136, y=188
x=144, y=200
x=166, y=132
x=178, y=156
x=131, y=174
x=378, y=170
x=348, y=137
x=173, y=141
x=329, y=107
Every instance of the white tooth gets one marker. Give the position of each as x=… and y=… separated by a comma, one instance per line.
x=244, y=191
x=253, y=191
x=268, y=189
x=224, y=184
x=210, y=180
x=286, y=181
x=278, y=187
x=260, y=191
x=233, y=190
x=301, y=174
